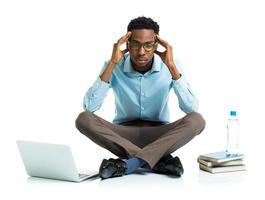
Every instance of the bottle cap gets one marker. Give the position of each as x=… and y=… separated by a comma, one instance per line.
x=232, y=113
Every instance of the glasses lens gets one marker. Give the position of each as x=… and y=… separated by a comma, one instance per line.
x=148, y=46
x=134, y=45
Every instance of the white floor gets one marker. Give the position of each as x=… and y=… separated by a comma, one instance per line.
x=193, y=184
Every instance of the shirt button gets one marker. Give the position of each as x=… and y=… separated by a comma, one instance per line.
x=142, y=93
x=142, y=108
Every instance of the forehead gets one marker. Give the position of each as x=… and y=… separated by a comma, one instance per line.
x=143, y=35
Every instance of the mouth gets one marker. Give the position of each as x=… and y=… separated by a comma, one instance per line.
x=141, y=61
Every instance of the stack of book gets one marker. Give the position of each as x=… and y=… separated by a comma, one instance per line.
x=221, y=162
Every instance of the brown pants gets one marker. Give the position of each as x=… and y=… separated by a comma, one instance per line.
x=143, y=139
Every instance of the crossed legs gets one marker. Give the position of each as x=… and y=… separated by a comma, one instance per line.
x=149, y=142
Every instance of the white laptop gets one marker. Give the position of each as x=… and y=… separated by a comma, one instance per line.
x=54, y=161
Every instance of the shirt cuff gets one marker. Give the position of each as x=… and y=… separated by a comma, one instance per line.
x=100, y=87
x=180, y=84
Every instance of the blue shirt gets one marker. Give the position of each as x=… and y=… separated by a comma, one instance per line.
x=141, y=96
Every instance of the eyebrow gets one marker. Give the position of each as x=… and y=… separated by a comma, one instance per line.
x=144, y=42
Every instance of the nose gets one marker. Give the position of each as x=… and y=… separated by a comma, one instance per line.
x=141, y=51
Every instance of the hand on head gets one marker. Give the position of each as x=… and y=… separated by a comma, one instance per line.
x=117, y=54
x=167, y=55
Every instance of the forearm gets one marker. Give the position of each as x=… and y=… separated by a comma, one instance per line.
x=95, y=95
x=108, y=71
x=187, y=99
x=174, y=71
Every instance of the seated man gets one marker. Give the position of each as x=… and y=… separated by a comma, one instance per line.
x=141, y=78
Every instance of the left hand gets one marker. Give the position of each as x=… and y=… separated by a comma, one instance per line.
x=167, y=55
x=167, y=58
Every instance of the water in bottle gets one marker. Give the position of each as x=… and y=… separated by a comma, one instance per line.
x=232, y=134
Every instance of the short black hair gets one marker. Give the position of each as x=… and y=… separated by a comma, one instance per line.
x=143, y=23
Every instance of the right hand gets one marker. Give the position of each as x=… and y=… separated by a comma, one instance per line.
x=117, y=54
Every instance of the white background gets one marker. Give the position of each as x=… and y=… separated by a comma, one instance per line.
x=52, y=51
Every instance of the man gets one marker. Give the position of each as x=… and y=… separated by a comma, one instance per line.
x=141, y=78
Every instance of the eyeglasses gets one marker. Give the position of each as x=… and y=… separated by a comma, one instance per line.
x=148, y=46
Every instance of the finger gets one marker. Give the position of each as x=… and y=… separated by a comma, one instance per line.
x=162, y=42
x=124, y=38
x=128, y=34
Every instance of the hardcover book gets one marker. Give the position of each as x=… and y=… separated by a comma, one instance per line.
x=227, y=163
x=220, y=157
x=219, y=169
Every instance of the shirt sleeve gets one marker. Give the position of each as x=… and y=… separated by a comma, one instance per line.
x=96, y=94
x=187, y=99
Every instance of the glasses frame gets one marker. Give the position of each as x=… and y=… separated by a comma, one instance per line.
x=142, y=45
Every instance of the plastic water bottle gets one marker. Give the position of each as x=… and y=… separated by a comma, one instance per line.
x=232, y=134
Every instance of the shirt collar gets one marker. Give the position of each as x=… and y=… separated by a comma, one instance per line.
x=156, y=66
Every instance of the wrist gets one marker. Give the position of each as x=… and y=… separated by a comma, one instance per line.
x=176, y=77
x=113, y=62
